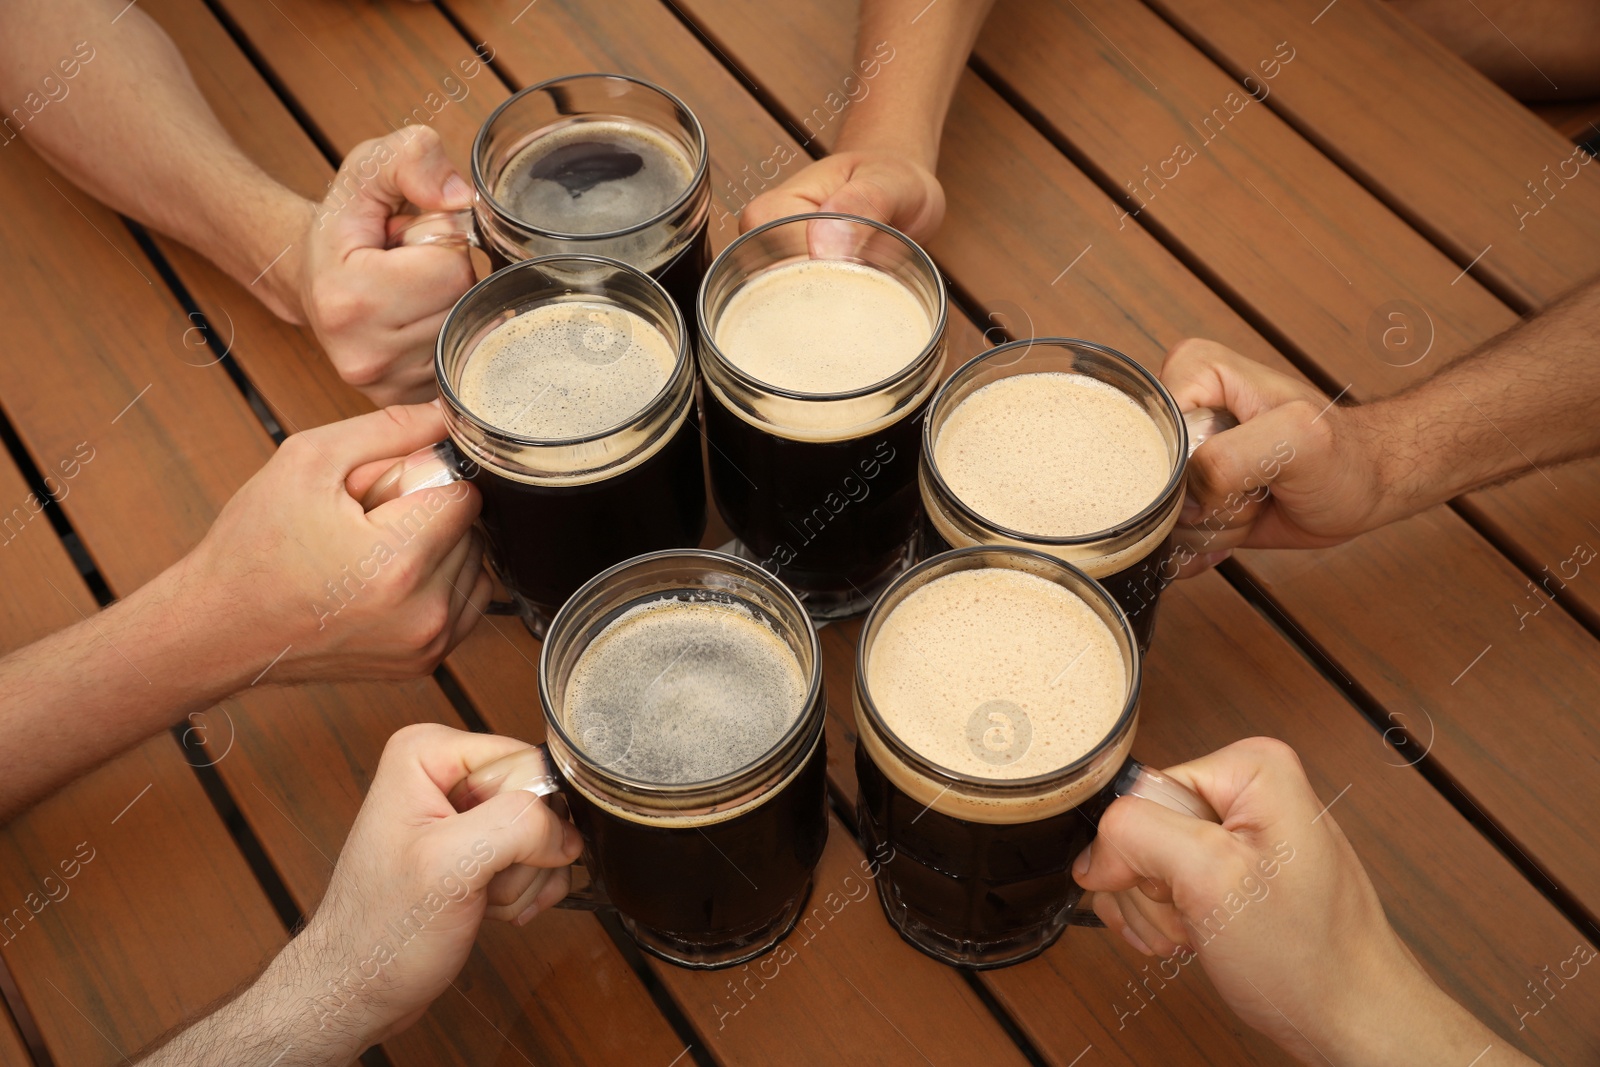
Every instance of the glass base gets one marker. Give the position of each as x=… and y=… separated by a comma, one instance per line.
x=832, y=605
x=971, y=955
x=701, y=956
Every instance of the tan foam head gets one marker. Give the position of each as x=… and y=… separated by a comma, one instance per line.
x=1000, y=675
x=680, y=692
x=823, y=326
x=1052, y=454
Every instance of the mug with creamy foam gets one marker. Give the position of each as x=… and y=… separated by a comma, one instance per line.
x=817, y=370
x=996, y=700
x=1068, y=447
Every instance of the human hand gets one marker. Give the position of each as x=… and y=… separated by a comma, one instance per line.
x=377, y=310
x=411, y=886
x=1279, y=911
x=297, y=574
x=1296, y=472
x=888, y=188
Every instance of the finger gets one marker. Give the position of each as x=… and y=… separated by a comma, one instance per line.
x=444, y=755
x=1231, y=475
x=529, y=885
x=389, y=433
x=400, y=286
x=457, y=576
x=554, y=891
x=1201, y=373
x=379, y=177
x=1140, y=840
x=1157, y=925
x=783, y=202
x=477, y=608
x=517, y=827
x=432, y=522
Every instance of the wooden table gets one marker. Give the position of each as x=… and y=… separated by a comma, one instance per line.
x=1376, y=176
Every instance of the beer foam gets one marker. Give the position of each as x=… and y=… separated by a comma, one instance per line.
x=566, y=369
x=678, y=692
x=996, y=674
x=1052, y=454
x=823, y=326
x=594, y=176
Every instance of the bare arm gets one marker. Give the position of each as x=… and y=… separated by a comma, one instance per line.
x=112, y=106
x=909, y=59
x=1523, y=402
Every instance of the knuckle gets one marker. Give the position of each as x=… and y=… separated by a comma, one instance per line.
x=414, y=737
x=339, y=308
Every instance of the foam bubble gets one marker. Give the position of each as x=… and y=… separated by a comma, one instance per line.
x=676, y=692
x=997, y=673
x=566, y=369
x=1052, y=454
x=823, y=326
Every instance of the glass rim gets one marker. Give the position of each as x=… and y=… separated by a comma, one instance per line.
x=1127, y=526
x=1128, y=646
x=751, y=382
x=742, y=568
x=447, y=388
x=702, y=161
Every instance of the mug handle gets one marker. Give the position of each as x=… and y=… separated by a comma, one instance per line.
x=429, y=468
x=1137, y=780
x=533, y=771
x=1204, y=423
x=453, y=229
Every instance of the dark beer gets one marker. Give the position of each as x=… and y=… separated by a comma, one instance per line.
x=817, y=374
x=600, y=164
x=568, y=391
x=996, y=700
x=687, y=723
x=1066, y=447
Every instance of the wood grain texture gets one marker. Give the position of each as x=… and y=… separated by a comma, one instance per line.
x=1267, y=218
x=1444, y=146
x=1013, y=227
x=165, y=915
x=1011, y=231
x=302, y=758
x=13, y=1050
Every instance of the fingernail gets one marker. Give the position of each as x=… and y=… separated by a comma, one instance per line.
x=437, y=402
x=1080, y=866
x=527, y=916
x=1211, y=559
x=834, y=239
x=1191, y=510
x=457, y=191
x=1135, y=941
x=571, y=840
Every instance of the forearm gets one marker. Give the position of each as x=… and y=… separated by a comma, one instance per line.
x=82, y=695
x=113, y=107
x=918, y=51
x=1419, y=1025
x=1520, y=404
x=278, y=1020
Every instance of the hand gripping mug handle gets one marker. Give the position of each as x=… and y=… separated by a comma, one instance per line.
x=533, y=771
x=1137, y=780
x=1205, y=423
x=432, y=467
x=453, y=229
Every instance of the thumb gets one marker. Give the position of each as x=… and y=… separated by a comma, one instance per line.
x=1230, y=473
x=512, y=828
x=381, y=176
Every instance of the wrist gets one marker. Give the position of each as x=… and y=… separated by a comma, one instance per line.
x=1383, y=436
x=281, y=253
x=212, y=637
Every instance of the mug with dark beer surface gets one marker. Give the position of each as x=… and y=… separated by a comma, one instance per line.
x=592, y=164
x=996, y=699
x=683, y=705
x=1070, y=448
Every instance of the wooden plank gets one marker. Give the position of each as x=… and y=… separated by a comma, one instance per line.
x=800, y=1002
x=302, y=758
x=1576, y=120
x=1251, y=171
x=1446, y=147
x=1009, y=232
x=13, y=1050
x=164, y=915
